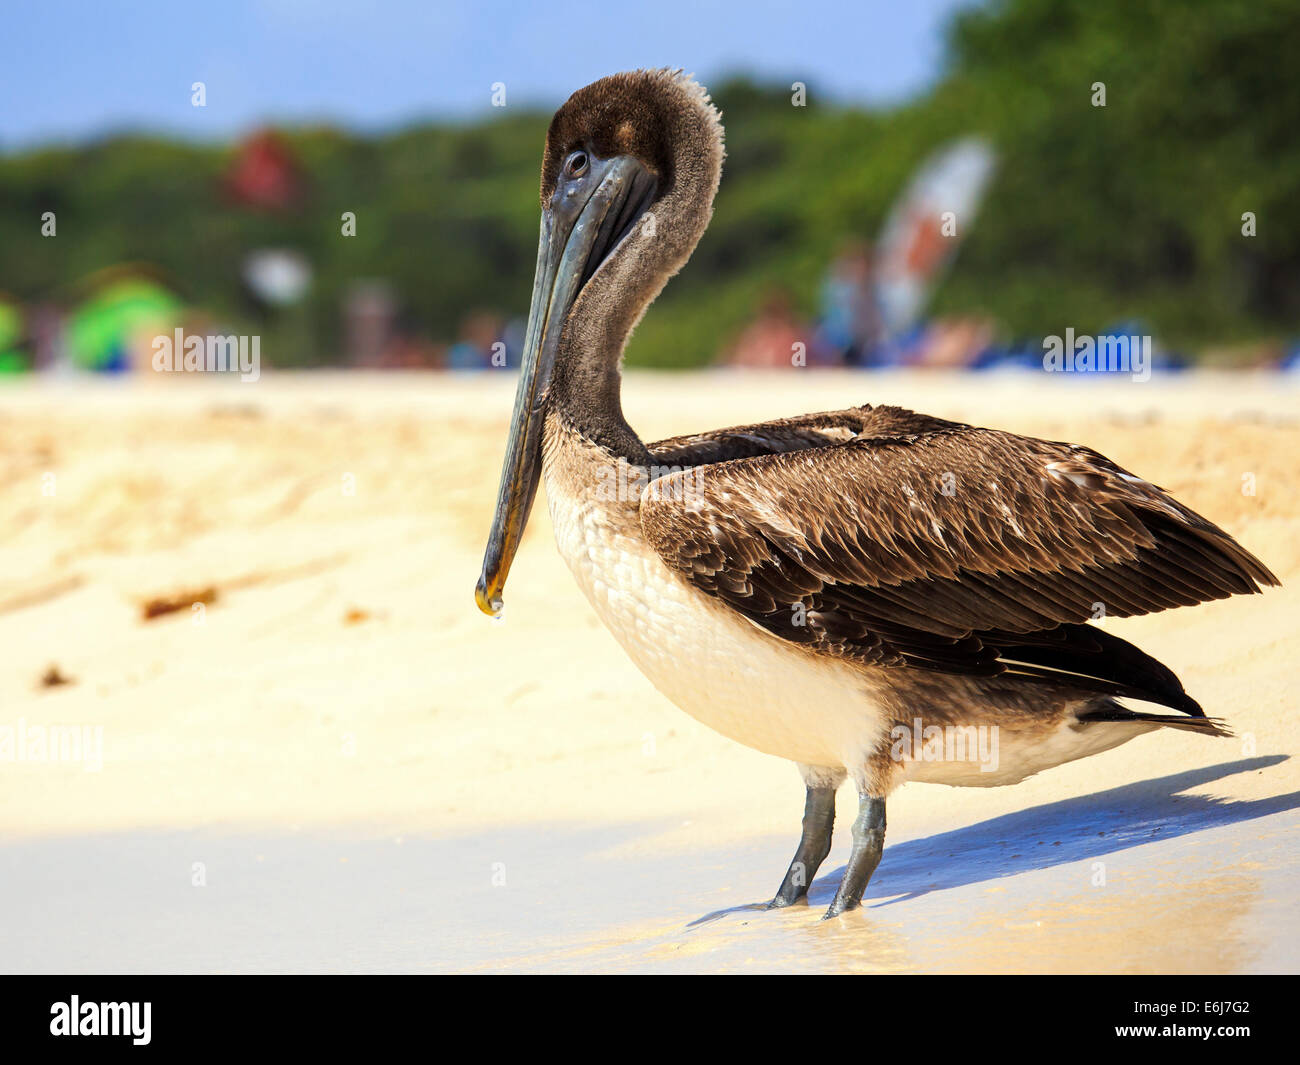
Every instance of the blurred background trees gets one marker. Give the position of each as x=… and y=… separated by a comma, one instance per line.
x=1097, y=214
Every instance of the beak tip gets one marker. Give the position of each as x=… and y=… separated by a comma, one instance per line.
x=490, y=605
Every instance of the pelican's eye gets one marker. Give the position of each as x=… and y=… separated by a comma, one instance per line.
x=576, y=165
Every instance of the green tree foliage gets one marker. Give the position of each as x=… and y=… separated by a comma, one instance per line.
x=1135, y=208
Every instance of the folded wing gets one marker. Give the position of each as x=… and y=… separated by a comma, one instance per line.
x=899, y=539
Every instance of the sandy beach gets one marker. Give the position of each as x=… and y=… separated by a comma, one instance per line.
x=299, y=746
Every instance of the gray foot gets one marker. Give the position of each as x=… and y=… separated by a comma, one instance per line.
x=814, y=845
x=868, y=842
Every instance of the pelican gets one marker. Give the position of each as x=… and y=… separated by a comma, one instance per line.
x=827, y=588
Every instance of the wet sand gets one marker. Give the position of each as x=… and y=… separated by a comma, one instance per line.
x=372, y=776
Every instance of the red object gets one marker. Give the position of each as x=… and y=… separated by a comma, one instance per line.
x=927, y=246
x=265, y=174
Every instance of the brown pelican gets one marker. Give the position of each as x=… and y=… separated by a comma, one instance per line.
x=827, y=587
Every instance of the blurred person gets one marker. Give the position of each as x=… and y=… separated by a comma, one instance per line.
x=851, y=330
x=772, y=340
x=953, y=343
x=473, y=350
x=408, y=349
x=513, y=338
x=369, y=322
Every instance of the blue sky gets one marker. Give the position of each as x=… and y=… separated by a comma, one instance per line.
x=77, y=70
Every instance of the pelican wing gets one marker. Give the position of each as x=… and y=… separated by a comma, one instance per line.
x=768, y=438
x=899, y=539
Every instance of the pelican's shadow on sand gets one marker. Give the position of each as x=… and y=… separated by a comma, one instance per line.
x=1072, y=830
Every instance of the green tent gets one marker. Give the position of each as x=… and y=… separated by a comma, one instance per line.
x=101, y=327
x=12, y=359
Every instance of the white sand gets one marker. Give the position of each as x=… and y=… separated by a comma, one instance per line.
x=356, y=755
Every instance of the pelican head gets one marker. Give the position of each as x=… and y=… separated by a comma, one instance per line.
x=629, y=173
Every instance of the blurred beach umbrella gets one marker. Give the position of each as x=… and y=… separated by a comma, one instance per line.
x=12, y=359
x=926, y=226
x=102, y=327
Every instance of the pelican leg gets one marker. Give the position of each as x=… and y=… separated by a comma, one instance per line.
x=868, y=842
x=814, y=845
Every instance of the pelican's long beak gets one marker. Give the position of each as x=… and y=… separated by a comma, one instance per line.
x=586, y=218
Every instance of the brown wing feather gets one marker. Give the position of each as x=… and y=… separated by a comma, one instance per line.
x=767, y=438
x=801, y=433
x=897, y=538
